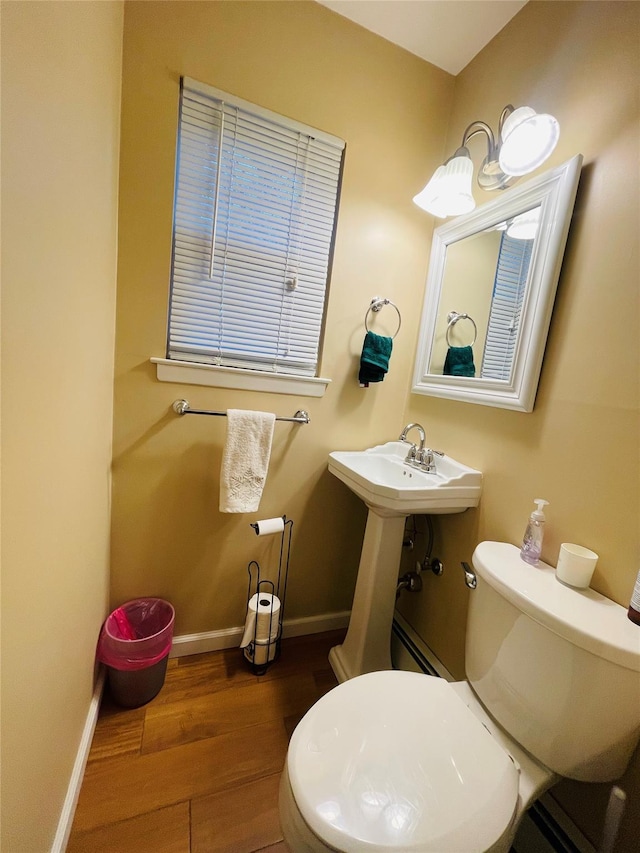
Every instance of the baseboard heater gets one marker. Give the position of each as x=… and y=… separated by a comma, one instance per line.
x=545, y=828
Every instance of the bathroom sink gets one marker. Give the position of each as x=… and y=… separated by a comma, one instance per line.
x=382, y=479
x=392, y=490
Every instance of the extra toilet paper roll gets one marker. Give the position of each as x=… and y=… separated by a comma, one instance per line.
x=260, y=653
x=263, y=619
x=268, y=526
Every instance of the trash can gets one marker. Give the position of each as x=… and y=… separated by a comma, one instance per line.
x=134, y=645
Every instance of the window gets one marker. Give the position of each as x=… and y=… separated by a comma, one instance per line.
x=254, y=218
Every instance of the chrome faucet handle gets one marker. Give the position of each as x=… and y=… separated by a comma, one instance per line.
x=427, y=460
x=412, y=455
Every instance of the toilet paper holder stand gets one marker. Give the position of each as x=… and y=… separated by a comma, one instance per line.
x=260, y=654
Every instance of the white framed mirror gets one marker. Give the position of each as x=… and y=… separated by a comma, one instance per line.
x=489, y=296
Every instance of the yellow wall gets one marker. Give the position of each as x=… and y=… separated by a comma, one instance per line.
x=579, y=448
x=61, y=68
x=301, y=60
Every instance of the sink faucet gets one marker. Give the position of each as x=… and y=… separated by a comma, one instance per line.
x=414, y=456
x=403, y=434
x=420, y=457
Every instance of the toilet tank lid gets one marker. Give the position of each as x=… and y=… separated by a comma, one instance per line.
x=584, y=617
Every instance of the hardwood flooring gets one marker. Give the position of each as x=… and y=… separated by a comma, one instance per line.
x=197, y=769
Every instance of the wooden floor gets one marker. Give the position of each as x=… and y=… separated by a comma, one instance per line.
x=197, y=769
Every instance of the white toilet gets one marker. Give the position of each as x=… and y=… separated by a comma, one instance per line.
x=408, y=762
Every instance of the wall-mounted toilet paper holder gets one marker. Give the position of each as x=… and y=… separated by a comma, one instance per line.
x=265, y=601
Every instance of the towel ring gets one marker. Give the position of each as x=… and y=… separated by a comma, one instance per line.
x=452, y=319
x=377, y=304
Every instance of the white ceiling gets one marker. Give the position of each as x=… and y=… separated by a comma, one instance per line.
x=447, y=33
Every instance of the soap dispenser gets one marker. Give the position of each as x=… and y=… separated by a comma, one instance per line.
x=533, y=535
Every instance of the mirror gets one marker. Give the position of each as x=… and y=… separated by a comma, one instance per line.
x=489, y=295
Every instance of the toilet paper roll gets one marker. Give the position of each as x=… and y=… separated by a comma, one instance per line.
x=268, y=526
x=260, y=653
x=263, y=619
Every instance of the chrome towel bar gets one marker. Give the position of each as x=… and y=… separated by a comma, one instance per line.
x=182, y=407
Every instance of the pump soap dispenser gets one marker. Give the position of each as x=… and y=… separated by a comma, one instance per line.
x=533, y=535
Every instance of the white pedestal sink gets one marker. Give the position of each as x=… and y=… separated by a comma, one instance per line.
x=392, y=490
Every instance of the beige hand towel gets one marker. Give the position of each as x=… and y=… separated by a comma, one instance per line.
x=245, y=459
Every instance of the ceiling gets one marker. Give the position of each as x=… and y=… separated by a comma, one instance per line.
x=447, y=33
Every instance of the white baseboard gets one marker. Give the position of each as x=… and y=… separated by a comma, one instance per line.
x=228, y=638
x=77, y=774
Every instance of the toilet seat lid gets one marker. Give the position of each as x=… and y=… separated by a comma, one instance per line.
x=396, y=761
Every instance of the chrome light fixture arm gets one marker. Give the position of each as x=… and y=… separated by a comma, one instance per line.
x=481, y=127
x=490, y=174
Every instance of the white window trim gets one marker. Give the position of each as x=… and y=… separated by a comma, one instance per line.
x=191, y=373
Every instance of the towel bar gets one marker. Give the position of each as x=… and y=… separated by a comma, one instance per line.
x=182, y=407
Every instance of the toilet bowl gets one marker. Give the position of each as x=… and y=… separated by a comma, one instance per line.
x=409, y=762
x=400, y=761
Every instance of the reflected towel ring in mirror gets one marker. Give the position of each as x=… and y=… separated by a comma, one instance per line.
x=452, y=319
x=377, y=304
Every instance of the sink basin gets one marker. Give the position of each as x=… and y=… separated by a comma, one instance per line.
x=380, y=477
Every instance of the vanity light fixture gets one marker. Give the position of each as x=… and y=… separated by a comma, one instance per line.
x=525, y=140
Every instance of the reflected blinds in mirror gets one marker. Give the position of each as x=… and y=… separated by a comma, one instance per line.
x=506, y=307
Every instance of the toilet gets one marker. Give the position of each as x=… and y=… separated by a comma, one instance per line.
x=409, y=762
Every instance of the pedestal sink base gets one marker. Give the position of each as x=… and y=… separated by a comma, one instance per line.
x=339, y=665
x=367, y=645
x=392, y=490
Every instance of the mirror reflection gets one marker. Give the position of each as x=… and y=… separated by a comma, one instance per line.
x=483, y=290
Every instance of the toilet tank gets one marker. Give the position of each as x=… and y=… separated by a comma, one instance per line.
x=558, y=668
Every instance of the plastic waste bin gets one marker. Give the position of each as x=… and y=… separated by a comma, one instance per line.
x=134, y=645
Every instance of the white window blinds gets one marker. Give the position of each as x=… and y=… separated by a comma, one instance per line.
x=506, y=306
x=255, y=209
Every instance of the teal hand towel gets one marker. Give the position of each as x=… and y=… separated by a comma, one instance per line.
x=459, y=362
x=374, y=361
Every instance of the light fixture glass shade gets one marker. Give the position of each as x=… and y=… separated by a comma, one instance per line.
x=528, y=138
x=427, y=198
x=448, y=193
x=525, y=225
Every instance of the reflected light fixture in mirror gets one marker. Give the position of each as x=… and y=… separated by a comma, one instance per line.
x=525, y=140
x=525, y=225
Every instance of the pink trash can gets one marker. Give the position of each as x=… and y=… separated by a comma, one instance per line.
x=134, y=645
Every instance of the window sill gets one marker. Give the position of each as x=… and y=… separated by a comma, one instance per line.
x=190, y=373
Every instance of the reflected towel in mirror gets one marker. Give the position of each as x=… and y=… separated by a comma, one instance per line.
x=459, y=362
